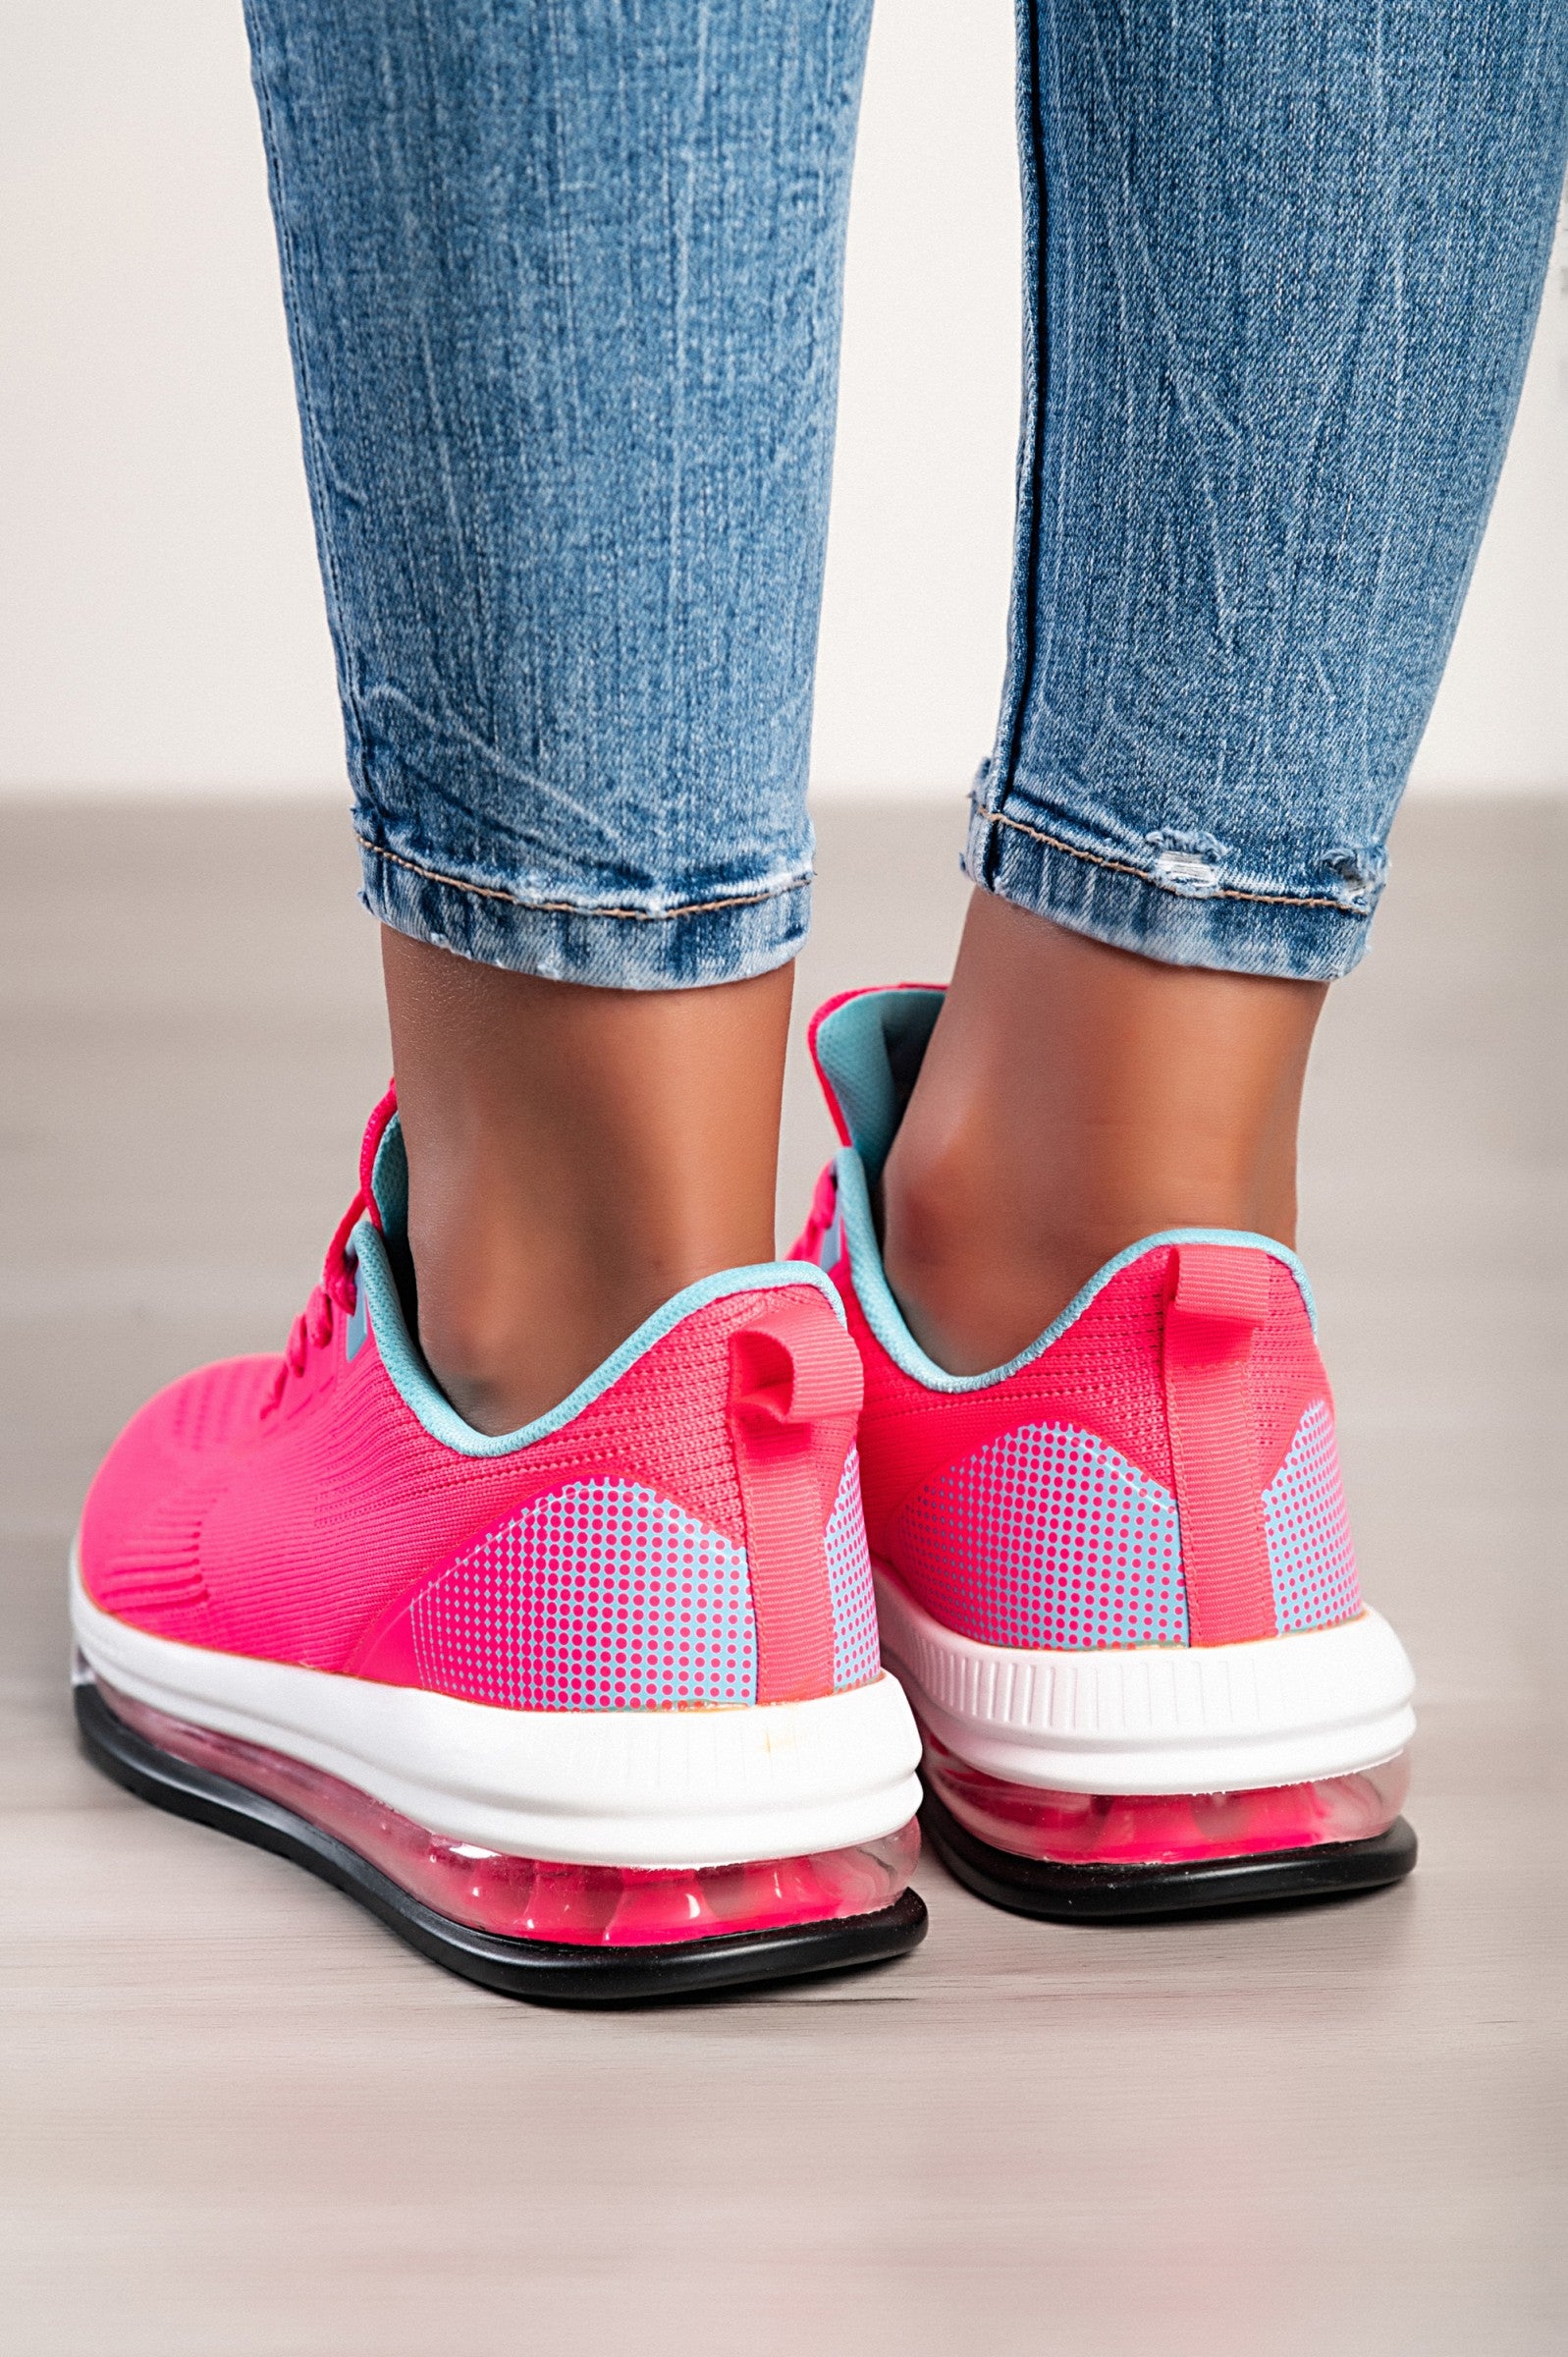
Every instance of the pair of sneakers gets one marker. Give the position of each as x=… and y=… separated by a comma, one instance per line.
x=620, y=1705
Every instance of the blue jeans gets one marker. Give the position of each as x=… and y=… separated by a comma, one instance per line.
x=563, y=283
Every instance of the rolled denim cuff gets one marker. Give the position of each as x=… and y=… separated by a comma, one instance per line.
x=1175, y=906
x=629, y=945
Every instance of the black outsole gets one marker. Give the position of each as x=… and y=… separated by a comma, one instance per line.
x=545, y=1971
x=1133, y=1893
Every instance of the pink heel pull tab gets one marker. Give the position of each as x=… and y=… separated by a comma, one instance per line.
x=794, y=1394
x=1216, y=1306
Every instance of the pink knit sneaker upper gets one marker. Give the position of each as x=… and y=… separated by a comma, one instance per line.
x=684, y=1530
x=1159, y=1468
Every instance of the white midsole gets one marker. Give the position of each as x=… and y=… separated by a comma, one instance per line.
x=694, y=1788
x=1157, y=1718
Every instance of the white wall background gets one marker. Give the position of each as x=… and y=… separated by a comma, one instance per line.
x=160, y=618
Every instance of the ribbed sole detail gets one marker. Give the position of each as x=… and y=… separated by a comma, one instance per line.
x=1156, y=1719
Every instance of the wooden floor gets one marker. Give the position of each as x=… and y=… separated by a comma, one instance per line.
x=241, y=2121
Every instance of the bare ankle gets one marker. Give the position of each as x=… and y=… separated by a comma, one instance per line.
x=575, y=1157
x=1073, y=1100
x=513, y=1315
x=498, y=1367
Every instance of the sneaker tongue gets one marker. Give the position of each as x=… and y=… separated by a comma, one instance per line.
x=868, y=1047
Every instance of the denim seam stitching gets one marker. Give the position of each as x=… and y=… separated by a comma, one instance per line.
x=1125, y=867
x=516, y=899
x=311, y=439
x=1028, y=522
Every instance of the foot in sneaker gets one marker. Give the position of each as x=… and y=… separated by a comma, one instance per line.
x=1115, y=1577
x=592, y=1710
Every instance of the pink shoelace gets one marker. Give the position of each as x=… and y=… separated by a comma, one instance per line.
x=338, y=1289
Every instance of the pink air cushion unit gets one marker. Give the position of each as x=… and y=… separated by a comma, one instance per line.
x=1122, y=1829
x=538, y=1898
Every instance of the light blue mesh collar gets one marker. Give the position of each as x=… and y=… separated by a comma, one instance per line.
x=860, y=1047
x=404, y=1363
x=869, y=1050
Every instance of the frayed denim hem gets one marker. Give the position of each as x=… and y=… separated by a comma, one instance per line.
x=725, y=939
x=1292, y=937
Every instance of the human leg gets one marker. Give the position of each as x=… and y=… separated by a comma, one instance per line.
x=575, y=1158
x=1283, y=264
x=564, y=289
x=1152, y=1096
x=1282, y=270
x=567, y=1670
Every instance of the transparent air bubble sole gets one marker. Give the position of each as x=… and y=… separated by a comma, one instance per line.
x=1117, y=1829
x=540, y=1899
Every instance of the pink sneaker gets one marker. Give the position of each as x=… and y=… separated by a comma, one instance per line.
x=591, y=1711
x=1117, y=1578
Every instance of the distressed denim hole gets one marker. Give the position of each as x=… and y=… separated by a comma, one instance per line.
x=1184, y=871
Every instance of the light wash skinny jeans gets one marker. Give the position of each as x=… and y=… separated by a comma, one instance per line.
x=564, y=281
